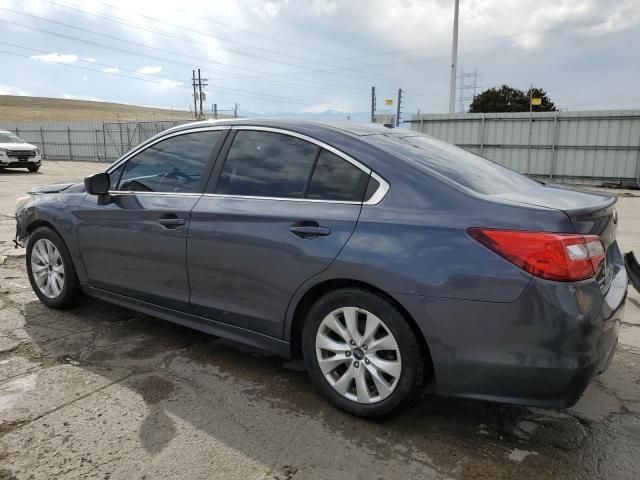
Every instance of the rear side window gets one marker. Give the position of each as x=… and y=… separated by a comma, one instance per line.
x=457, y=164
x=267, y=164
x=336, y=179
x=172, y=165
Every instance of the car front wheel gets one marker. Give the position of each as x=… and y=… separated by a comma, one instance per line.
x=33, y=168
x=362, y=353
x=50, y=269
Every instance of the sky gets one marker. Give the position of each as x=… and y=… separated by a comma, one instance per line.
x=311, y=56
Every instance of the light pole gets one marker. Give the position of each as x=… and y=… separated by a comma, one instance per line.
x=454, y=60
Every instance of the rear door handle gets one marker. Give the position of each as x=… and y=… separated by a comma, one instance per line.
x=310, y=231
x=171, y=221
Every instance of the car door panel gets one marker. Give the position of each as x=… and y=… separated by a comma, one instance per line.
x=245, y=262
x=129, y=248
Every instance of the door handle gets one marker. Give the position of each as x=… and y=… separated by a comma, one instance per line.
x=171, y=221
x=309, y=230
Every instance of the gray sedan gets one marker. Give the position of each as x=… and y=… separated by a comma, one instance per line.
x=389, y=261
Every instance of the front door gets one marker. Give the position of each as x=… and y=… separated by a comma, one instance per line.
x=279, y=213
x=134, y=242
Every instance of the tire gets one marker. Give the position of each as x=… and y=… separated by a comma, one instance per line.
x=381, y=396
x=61, y=289
x=33, y=168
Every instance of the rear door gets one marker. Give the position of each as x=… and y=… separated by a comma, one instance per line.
x=278, y=210
x=134, y=242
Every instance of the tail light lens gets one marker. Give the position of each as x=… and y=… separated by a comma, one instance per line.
x=554, y=256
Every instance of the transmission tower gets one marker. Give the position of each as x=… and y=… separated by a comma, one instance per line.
x=468, y=89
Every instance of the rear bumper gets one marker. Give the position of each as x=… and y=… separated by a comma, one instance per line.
x=541, y=350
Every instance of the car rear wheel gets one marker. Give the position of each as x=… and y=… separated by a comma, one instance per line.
x=362, y=353
x=50, y=269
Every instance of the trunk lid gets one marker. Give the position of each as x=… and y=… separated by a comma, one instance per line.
x=590, y=214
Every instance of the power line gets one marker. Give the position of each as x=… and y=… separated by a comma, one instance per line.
x=201, y=60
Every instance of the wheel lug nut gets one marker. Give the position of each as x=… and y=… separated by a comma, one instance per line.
x=352, y=342
x=365, y=347
x=348, y=354
x=356, y=364
x=366, y=360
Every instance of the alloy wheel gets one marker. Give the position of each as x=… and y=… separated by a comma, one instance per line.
x=358, y=355
x=47, y=268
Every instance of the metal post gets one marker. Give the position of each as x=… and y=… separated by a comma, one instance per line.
x=215, y=111
x=638, y=163
x=44, y=152
x=530, y=126
x=129, y=138
x=195, y=96
x=398, y=107
x=97, y=141
x=454, y=60
x=554, y=148
x=69, y=140
x=104, y=141
x=235, y=110
x=200, y=93
x=373, y=104
x=482, y=136
x=17, y=132
x=121, y=139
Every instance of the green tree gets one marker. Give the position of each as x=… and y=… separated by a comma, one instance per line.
x=509, y=99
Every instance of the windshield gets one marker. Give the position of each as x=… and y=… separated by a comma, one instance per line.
x=8, y=137
x=459, y=165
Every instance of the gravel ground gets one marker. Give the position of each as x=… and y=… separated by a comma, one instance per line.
x=104, y=392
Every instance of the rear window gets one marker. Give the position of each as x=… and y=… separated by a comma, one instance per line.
x=463, y=167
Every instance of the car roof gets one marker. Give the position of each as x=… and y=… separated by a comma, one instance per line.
x=351, y=128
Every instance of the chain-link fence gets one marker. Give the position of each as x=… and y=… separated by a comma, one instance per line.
x=87, y=141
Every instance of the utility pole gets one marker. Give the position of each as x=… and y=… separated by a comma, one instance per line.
x=398, y=107
x=195, y=95
x=215, y=111
x=198, y=94
x=373, y=104
x=235, y=110
x=454, y=60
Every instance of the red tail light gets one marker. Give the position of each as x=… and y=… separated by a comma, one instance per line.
x=553, y=256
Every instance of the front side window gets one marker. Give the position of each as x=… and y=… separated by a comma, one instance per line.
x=172, y=165
x=266, y=164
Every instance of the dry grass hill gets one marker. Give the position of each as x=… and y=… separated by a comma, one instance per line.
x=26, y=109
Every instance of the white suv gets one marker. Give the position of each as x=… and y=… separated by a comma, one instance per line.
x=16, y=153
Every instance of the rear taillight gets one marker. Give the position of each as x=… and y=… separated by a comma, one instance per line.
x=555, y=256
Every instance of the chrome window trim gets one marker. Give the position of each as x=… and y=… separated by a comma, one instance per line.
x=376, y=198
x=150, y=143
x=280, y=199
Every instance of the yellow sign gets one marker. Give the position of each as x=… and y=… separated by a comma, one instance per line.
x=388, y=102
x=536, y=101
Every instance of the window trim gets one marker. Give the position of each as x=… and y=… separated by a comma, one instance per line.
x=141, y=148
x=375, y=198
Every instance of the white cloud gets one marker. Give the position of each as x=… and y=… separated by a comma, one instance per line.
x=56, y=58
x=149, y=70
x=9, y=90
x=269, y=9
x=89, y=59
x=325, y=7
x=170, y=83
x=111, y=70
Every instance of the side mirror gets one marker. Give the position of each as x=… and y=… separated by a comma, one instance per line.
x=97, y=184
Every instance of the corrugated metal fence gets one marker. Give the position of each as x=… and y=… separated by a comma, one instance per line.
x=88, y=141
x=585, y=147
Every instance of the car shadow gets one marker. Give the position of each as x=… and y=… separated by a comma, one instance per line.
x=266, y=408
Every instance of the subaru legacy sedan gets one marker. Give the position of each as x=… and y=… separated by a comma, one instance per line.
x=389, y=261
